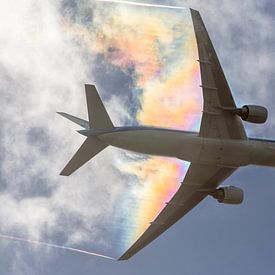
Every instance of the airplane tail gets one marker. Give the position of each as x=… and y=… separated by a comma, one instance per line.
x=98, y=119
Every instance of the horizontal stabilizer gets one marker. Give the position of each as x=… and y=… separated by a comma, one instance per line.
x=83, y=123
x=98, y=116
x=90, y=147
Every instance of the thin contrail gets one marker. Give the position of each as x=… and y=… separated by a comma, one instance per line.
x=7, y=237
x=141, y=4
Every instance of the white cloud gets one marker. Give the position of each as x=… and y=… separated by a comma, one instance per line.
x=42, y=70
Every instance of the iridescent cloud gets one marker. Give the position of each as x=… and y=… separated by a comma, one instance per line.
x=156, y=47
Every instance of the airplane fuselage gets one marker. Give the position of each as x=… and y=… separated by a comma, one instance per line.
x=189, y=146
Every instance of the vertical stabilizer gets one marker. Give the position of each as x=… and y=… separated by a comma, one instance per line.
x=98, y=116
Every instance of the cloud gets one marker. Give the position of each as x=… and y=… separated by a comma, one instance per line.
x=243, y=36
x=42, y=70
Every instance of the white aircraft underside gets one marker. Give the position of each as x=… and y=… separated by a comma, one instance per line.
x=220, y=147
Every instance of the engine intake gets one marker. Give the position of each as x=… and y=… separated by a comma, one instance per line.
x=229, y=195
x=252, y=113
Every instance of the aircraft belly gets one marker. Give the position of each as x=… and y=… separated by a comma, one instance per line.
x=156, y=142
x=223, y=152
x=235, y=153
x=262, y=153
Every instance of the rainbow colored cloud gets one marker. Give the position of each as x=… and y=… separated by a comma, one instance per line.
x=156, y=48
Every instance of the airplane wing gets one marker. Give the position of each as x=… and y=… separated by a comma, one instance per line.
x=216, y=123
x=199, y=180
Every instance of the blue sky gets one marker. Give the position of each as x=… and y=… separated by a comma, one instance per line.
x=41, y=68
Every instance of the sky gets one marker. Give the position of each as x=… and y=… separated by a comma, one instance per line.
x=47, y=52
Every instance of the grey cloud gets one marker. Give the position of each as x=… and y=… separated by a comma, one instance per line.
x=38, y=137
x=119, y=85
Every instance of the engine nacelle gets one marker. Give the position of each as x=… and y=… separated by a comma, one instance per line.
x=229, y=195
x=252, y=113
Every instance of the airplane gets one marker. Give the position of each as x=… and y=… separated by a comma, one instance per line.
x=220, y=147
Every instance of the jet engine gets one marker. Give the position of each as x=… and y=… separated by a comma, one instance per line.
x=228, y=195
x=252, y=113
